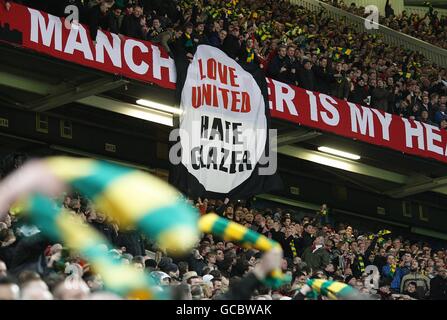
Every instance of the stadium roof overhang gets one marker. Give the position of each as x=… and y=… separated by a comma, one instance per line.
x=38, y=83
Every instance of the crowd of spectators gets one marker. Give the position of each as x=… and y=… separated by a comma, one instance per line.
x=290, y=43
x=431, y=27
x=32, y=267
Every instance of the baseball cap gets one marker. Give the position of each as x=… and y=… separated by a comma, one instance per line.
x=207, y=278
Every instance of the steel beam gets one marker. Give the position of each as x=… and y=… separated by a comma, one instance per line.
x=437, y=184
x=296, y=136
x=343, y=164
x=72, y=94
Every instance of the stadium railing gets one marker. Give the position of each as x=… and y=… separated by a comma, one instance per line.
x=390, y=36
x=423, y=10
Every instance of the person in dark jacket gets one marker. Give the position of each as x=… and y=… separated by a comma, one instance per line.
x=425, y=105
x=213, y=34
x=232, y=44
x=104, y=228
x=182, y=49
x=28, y=254
x=277, y=67
x=199, y=36
x=316, y=256
x=155, y=31
x=114, y=20
x=131, y=239
x=187, y=42
x=288, y=241
x=380, y=259
x=403, y=109
x=389, y=11
x=341, y=86
x=425, y=118
x=441, y=114
x=323, y=76
x=247, y=55
x=244, y=289
x=360, y=92
x=131, y=25
x=306, y=77
x=308, y=237
x=196, y=261
x=361, y=259
x=438, y=285
x=97, y=18
x=291, y=65
x=379, y=97
x=222, y=36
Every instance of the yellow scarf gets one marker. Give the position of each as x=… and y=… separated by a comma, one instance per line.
x=292, y=247
x=393, y=269
x=251, y=55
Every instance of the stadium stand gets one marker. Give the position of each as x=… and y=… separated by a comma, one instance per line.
x=430, y=27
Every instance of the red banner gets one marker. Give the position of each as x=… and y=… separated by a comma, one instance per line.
x=147, y=62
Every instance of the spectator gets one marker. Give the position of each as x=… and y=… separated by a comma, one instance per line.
x=291, y=65
x=441, y=114
x=131, y=240
x=316, y=256
x=232, y=44
x=438, y=285
x=154, y=31
x=341, y=86
x=199, y=35
x=425, y=118
x=98, y=221
x=187, y=42
x=277, y=67
x=359, y=94
x=131, y=25
x=306, y=77
x=114, y=20
x=379, y=97
x=324, y=76
x=222, y=36
x=388, y=9
x=411, y=290
x=420, y=281
x=97, y=18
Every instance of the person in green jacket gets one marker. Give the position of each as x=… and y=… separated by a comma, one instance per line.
x=316, y=256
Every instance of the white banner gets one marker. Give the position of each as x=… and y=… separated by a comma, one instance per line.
x=223, y=126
